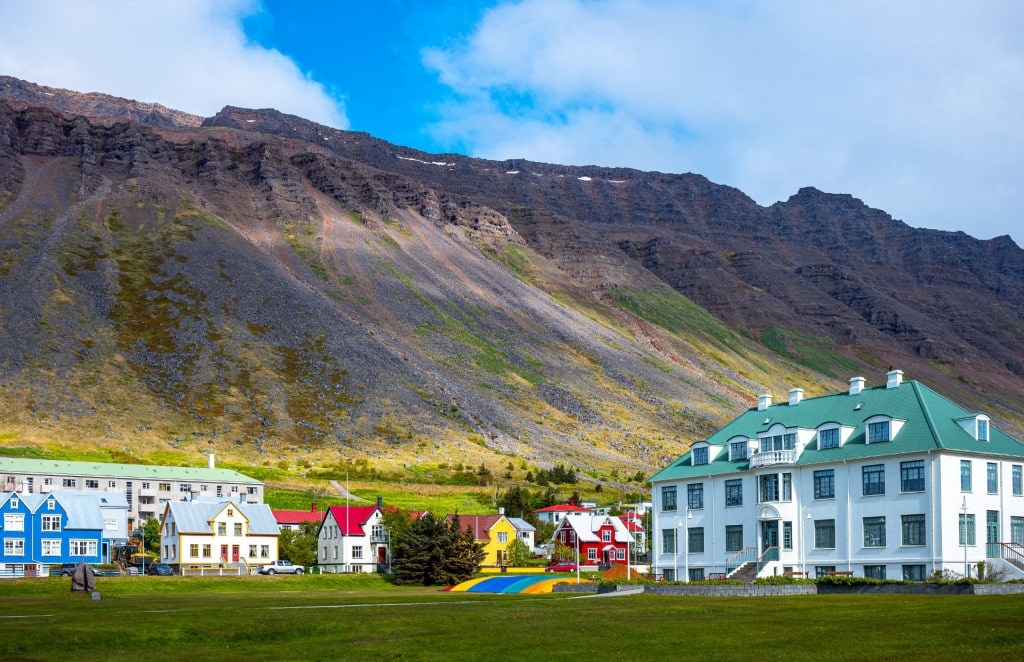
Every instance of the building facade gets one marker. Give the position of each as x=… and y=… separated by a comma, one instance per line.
x=891, y=482
x=146, y=488
x=217, y=533
x=353, y=539
x=597, y=539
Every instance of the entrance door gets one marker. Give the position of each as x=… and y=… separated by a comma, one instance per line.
x=223, y=554
x=769, y=534
x=234, y=553
x=992, y=532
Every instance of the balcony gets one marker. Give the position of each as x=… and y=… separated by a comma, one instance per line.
x=769, y=458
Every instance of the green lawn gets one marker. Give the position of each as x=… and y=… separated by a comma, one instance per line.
x=365, y=618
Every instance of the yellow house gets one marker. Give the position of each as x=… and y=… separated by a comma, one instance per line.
x=496, y=532
x=217, y=533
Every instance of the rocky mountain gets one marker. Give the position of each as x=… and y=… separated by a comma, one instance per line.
x=272, y=289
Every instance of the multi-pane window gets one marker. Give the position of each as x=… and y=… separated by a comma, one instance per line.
x=873, y=478
x=92, y=484
x=357, y=552
x=222, y=528
x=51, y=522
x=779, y=442
x=696, y=574
x=913, y=529
x=606, y=536
x=238, y=528
x=193, y=550
x=878, y=431
x=1017, y=530
x=264, y=551
x=993, y=478
x=164, y=487
x=734, y=492
x=768, y=487
x=828, y=438
x=50, y=547
x=14, y=546
x=700, y=455
x=69, y=482
x=825, y=484
x=207, y=551
x=991, y=526
x=874, y=532
x=1017, y=473
x=787, y=535
x=733, y=537
x=14, y=522
x=965, y=475
x=695, y=540
x=874, y=571
x=967, y=531
x=83, y=548
x=787, y=487
x=668, y=541
x=252, y=551
x=982, y=429
x=185, y=488
x=668, y=497
x=913, y=573
x=825, y=534
x=738, y=450
x=591, y=554
x=823, y=570
x=695, y=495
x=912, y=476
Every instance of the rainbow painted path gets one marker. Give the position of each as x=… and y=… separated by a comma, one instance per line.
x=514, y=584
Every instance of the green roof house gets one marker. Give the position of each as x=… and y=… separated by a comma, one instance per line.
x=891, y=482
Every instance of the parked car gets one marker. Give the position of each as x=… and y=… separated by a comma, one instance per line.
x=161, y=569
x=281, y=567
x=561, y=566
x=68, y=569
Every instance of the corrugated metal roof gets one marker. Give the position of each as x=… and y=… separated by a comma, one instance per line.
x=929, y=423
x=114, y=470
x=195, y=516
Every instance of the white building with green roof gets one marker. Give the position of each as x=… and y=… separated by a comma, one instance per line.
x=147, y=488
x=892, y=482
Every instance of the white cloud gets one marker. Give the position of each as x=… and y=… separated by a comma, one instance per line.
x=191, y=55
x=912, y=106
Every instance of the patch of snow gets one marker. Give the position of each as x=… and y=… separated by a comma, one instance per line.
x=49, y=94
x=511, y=172
x=250, y=121
x=584, y=179
x=437, y=163
x=616, y=181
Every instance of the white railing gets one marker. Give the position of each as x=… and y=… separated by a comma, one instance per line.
x=768, y=458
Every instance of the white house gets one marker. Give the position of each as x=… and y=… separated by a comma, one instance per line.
x=211, y=533
x=892, y=481
x=556, y=513
x=353, y=539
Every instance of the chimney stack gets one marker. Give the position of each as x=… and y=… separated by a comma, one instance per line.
x=895, y=378
x=312, y=507
x=856, y=385
x=209, y=462
x=764, y=401
x=795, y=396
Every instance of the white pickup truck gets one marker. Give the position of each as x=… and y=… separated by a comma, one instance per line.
x=281, y=568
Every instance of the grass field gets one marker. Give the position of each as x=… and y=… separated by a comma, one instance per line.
x=366, y=618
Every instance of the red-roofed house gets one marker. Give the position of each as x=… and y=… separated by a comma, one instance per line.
x=289, y=520
x=600, y=539
x=557, y=512
x=353, y=539
x=634, y=524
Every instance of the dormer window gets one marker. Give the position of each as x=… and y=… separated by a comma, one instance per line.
x=778, y=442
x=14, y=503
x=977, y=426
x=738, y=450
x=879, y=431
x=828, y=438
x=700, y=455
x=982, y=429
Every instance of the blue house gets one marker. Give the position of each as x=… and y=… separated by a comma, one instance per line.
x=39, y=530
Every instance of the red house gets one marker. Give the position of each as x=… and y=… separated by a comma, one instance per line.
x=600, y=539
x=291, y=519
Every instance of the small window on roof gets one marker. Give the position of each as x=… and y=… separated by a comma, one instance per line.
x=700, y=455
x=982, y=429
x=828, y=438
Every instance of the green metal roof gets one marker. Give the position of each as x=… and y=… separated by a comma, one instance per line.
x=113, y=470
x=930, y=423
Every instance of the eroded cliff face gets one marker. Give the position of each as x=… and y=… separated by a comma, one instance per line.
x=265, y=285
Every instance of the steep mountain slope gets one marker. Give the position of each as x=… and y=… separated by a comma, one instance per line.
x=266, y=287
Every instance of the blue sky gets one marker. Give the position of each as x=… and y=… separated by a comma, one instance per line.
x=914, y=107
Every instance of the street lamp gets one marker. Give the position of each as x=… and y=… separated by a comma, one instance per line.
x=963, y=509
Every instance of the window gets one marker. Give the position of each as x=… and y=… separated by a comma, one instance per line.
x=264, y=551
x=357, y=552
x=787, y=535
x=991, y=526
x=220, y=491
x=1017, y=530
x=967, y=531
x=787, y=487
x=825, y=484
x=51, y=504
x=738, y=450
x=874, y=571
x=913, y=529
x=164, y=487
x=145, y=486
x=185, y=488
x=913, y=573
x=193, y=550
x=878, y=431
x=695, y=540
x=69, y=482
x=733, y=537
x=874, y=532
x=695, y=495
x=591, y=554
x=222, y=528
x=873, y=477
x=252, y=551
x=823, y=570
x=670, y=575
x=993, y=478
x=238, y=528
x=668, y=541
x=1018, y=480
x=696, y=574
x=982, y=429
x=207, y=551
x=251, y=490
x=503, y=536
x=111, y=483
x=620, y=554
x=668, y=497
x=912, y=476
x=14, y=546
x=606, y=536
x=51, y=522
x=14, y=502
x=231, y=512
x=14, y=522
x=828, y=438
x=965, y=475
x=768, y=487
x=92, y=484
x=824, y=534
x=83, y=548
x=700, y=455
x=734, y=492
x=50, y=547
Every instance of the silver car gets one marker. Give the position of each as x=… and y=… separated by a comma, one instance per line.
x=282, y=568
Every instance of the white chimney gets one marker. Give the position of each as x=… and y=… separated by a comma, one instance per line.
x=795, y=396
x=764, y=401
x=501, y=511
x=210, y=461
x=895, y=378
x=856, y=385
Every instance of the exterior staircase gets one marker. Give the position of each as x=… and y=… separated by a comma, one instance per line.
x=746, y=573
